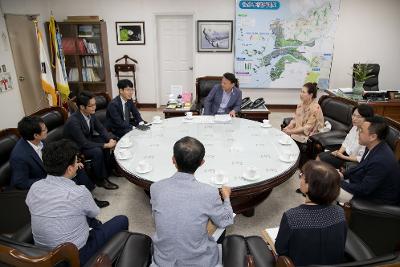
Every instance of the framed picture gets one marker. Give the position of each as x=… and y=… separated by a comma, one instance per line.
x=214, y=35
x=130, y=33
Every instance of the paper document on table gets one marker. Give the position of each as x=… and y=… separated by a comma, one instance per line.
x=269, y=235
x=222, y=118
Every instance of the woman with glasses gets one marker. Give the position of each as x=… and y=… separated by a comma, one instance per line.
x=314, y=232
x=351, y=150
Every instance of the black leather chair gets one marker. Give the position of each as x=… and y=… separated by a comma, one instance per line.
x=102, y=100
x=54, y=118
x=237, y=250
x=372, y=83
x=15, y=216
x=203, y=87
x=378, y=225
x=393, y=137
x=338, y=112
x=124, y=250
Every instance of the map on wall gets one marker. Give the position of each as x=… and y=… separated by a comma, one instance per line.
x=283, y=44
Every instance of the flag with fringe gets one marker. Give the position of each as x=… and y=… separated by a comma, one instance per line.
x=58, y=61
x=45, y=71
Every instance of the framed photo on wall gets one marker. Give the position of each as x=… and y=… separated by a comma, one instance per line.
x=214, y=35
x=130, y=33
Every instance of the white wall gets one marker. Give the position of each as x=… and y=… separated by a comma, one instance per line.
x=11, y=110
x=368, y=30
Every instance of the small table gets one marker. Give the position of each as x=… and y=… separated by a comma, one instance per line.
x=177, y=112
x=230, y=147
x=258, y=114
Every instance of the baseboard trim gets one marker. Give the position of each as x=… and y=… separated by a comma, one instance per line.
x=146, y=105
x=280, y=106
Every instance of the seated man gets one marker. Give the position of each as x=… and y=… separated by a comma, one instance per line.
x=94, y=141
x=26, y=158
x=182, y=206
x=120, y=108
x=62, y=211
x=377, y=176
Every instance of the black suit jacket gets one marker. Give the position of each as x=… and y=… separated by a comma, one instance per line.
x=376, y=178
x=76, y=129
x=26, y=165
x=115, y=116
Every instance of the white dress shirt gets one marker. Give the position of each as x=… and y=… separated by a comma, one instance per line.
x=351, y=144
x=37, y=148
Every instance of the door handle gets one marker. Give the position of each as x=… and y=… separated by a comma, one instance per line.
x=190, y=68
x=21, y=78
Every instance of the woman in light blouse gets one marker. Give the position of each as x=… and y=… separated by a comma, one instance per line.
x=351, y=150
x=308, y=119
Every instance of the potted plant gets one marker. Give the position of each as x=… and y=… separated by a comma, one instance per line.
x=361, y=73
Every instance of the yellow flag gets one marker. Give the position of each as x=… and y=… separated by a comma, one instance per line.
x=58, y=61
x=45, y=70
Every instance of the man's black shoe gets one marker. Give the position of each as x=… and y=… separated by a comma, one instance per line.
x=101, y=203
x=106, y=184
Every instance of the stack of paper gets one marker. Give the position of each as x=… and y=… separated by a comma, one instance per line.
x=269, y=235
x=222, y=118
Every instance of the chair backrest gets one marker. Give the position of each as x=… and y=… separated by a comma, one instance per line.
x=370, y=84
x=14, y=253
x=393, y=137
x=337, y=111
x=204, y=86
x=377, y=225
x=102, y=100
x=8, y=139
x=54, y=118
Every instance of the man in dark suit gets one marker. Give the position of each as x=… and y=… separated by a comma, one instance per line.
x=26, y=158
x=94, y=141
x=224, y=98
x=119, y=110
x=377, y=176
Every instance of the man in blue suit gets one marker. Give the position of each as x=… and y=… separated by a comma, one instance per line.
x=377, y=176
x=119, y=111
x=26, y=158
x=92, y=138
x=224, y=98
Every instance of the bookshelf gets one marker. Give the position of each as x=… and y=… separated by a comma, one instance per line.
x=86, y=55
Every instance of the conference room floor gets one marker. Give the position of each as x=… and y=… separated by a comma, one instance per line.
x=131, y=200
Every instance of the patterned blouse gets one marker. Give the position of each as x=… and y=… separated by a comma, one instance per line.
x=309, y=117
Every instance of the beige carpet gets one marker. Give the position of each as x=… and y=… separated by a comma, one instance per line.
x=131, y=201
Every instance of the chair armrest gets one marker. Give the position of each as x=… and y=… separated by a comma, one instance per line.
x=126, y=249
x=286, y=122
x=234, y=251
x=330, y=139
x=23, y=235
x=284, y=261
x=356, y=248
x=263, y=256
x=368, y=207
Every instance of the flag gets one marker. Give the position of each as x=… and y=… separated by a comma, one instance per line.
x=58, y=61
x=45, y=70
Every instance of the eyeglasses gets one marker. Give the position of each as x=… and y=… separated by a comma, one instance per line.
x=301, y=174
x=358, y=116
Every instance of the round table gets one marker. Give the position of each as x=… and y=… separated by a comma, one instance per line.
x=231, y=148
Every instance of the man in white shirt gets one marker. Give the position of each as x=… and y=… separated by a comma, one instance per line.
x=62, y=211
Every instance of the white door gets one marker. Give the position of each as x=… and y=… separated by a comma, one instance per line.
x=175, y=54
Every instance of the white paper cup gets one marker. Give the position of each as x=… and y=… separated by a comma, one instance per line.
x=189, y=114
x=266, y=122
x=251, y=172
x=156, y=118
x=143, y=165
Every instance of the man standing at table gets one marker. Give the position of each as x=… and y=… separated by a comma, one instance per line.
x=182, y=207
